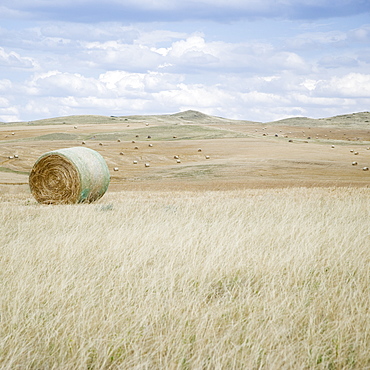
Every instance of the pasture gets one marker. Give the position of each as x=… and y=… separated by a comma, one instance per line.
x=254, y=258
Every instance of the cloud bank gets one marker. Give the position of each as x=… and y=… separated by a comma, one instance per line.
x=54, y=63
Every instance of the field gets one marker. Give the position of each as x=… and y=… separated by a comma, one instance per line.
x=242, y=154
x=254, y=258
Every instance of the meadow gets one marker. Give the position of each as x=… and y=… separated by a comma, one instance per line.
x=275, y=278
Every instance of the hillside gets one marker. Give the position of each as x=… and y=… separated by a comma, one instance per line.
x=355, y=120
x=214, y=152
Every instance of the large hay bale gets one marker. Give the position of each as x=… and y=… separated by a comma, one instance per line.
x=68, y=176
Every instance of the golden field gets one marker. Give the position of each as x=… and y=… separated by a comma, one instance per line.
x=254, y=258
x=245, y=279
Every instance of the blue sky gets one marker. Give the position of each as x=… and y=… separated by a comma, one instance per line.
x=259, y=60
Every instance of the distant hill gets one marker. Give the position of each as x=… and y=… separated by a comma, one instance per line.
x=356, y=120
x=360, y=119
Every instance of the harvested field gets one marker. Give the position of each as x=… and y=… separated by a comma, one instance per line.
x=242, y=154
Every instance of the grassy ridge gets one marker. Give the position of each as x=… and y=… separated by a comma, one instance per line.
x=240, y=279
x=162, y=133
x=355, y=120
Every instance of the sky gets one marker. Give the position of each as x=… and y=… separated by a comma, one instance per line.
x=258, y=60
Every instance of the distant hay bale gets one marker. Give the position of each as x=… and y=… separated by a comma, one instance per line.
x=69, y=176
x=365, y=169
x=115, y=169
x=147, y=164
x=150, y=145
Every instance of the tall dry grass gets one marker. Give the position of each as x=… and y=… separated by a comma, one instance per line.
x=272, y=279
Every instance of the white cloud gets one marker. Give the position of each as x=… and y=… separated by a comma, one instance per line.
x=314, y=40
x=14, y=60
x=361, y=34
x=5, y=85
x=352, y=85
x=114, y=54
x=56, y=68
x=56, y=83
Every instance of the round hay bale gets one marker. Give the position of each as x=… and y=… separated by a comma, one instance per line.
x=69, y=176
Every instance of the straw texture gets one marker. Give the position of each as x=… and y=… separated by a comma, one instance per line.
x=68, y=176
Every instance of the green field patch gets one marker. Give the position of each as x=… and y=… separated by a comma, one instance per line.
x=168, y=133
x=66, y=120
x=197, y=171
x=5, y=169
x=56, y=136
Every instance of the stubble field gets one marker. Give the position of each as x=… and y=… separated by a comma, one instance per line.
x=256, y=257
